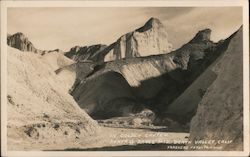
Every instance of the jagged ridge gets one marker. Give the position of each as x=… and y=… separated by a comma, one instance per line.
x=21, y=42
x=90, y=53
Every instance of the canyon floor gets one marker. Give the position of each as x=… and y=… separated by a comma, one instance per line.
x=124, y=139
x=113, y=138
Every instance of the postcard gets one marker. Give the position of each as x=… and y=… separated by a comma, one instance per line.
x=125, y=78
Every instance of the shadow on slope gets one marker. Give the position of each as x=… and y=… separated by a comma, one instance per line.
x=220, y=112
x=106, y=96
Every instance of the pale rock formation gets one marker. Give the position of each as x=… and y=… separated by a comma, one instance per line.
x=151, y=39
x=40, y=109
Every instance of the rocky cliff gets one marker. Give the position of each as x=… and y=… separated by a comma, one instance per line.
x=90, y=53
x=150, y=39
x=22, y=43
x=220, y=113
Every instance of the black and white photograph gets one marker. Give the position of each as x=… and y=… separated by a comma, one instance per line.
x=109, y=78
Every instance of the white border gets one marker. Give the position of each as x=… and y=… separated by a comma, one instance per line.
x=186, y=3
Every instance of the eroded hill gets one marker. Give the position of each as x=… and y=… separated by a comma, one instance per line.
x=40, y=110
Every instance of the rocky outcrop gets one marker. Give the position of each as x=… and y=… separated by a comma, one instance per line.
x=150, y=39
x=189, y=55
x=220, y=113
x=90, y=53
x=22, y=43
x=201, y=36
x=40, y=109
x=184, y=107
x=153, y=81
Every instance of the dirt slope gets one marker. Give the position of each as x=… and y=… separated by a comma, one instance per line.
x=40, y=110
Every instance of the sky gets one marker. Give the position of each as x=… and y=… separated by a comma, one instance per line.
x=65, y=27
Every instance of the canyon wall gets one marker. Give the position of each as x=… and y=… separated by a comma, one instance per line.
x=220, y=113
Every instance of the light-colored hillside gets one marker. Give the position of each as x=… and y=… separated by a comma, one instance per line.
x=40, y=110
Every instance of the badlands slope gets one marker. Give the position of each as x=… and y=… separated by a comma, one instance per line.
x=40, y=110
x=220, y=113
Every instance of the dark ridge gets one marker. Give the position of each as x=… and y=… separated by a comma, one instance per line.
x=84, y=53
x=201, y=36
x=21, y=42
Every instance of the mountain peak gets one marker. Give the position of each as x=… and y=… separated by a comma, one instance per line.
x=202, y=35
x=21, y=42
x=151, y=23
x=19, y=34
x=75, y=48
